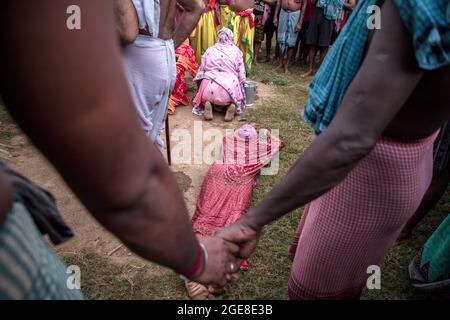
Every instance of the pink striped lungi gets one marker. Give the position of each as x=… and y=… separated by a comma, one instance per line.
x=354, y=225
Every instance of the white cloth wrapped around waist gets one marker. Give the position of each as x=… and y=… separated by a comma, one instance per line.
x=149, y=65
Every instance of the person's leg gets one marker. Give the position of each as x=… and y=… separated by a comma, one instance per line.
x=323, y=53
x=257, y=48
x=337, y=243
x=258, y=38
x=277, y=49
x=303, y=55
x=231, y=111
x=304, y=48
x=441, y=179
x=289, y=57
x=434, y=193
x=311, y=58
x=269, y=37
x=208, y=115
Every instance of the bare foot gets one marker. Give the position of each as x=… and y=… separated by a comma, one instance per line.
x=255, y=63
x=286, y=71
x=309, y=73
x=267, y=59
x=208, y=115
x=229, y=116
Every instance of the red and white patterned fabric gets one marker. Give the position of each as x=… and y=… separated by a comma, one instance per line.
x=354, y=225
x=227, y=189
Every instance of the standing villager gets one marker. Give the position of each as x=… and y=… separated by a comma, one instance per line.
x=149, y=62
x=258, y=12
x=221, y=76
x=367, y=171
x=270, y=29
x=439, y=184
x=303, y=47
x=320, y=30
x=289, y=23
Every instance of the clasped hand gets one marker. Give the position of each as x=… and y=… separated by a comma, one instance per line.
x=226, y=251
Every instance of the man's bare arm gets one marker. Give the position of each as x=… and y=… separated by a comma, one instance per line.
x=370, y=104
x=241, y=5
x=67, y=91
x=193, y=9
x=302, y=16
x=277, y=12
x=126, y=21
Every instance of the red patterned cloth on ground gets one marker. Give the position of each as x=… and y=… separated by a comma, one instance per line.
x=354, y=225
x=185, y=62
x=227, y=189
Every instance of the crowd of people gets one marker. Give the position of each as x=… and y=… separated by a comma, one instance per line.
x=378, y=105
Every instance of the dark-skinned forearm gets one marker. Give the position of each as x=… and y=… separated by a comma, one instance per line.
x=324, y=164
x=277, y=9
x=241, y=5
x=189, y=20
x=361, y=119
x=156, y=223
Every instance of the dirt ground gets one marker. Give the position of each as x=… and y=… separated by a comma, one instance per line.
x=24, y=158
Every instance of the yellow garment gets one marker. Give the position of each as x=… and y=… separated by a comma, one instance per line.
x=244, y=35
x=204, y=35
x=225, y=14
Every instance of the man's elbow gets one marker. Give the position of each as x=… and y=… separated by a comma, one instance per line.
x=195, y=6
x=126, y=193
x=355, y=145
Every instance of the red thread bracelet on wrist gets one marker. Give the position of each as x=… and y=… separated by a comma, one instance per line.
x=198, y=264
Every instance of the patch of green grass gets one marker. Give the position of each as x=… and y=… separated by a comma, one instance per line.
x=102, y=279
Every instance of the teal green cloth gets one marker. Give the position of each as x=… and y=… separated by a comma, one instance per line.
x=436, y=253
x=428, y=23
x=340, y=66
x=29, y=269
x=331, y=8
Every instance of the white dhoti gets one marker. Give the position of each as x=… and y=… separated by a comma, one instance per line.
x=150, y=68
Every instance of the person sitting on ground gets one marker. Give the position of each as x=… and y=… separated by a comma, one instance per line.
x=221, y=77
x=289, y=24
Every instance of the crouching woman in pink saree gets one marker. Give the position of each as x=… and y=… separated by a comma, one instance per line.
x=221, y=78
